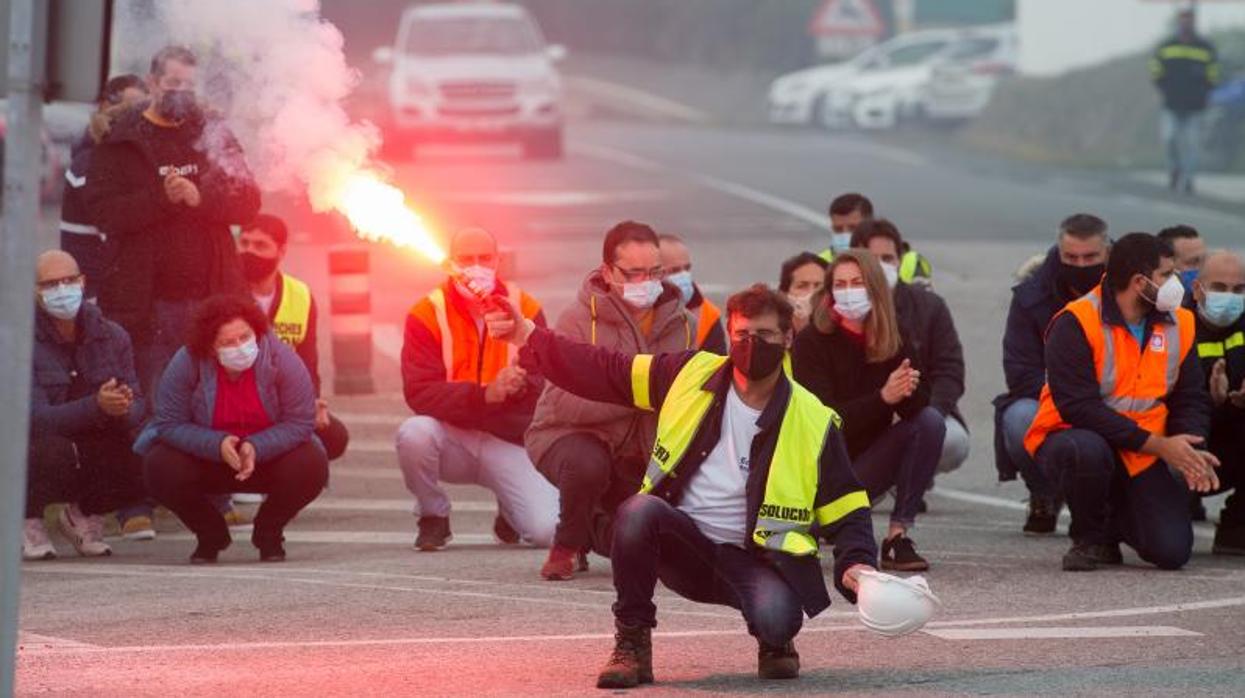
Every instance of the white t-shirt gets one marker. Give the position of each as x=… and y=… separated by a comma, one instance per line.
x=265, y=302
x=715, y=497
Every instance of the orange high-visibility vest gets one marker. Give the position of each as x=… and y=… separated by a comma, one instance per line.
x=1133, y=381
x=462, y=354
x=706, y=320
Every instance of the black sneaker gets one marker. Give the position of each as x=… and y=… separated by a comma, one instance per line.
x=1086, y=557
x=922, y=507
x=434, y=533
x=899, y=554
x=206, y=553
x=273, y=552
x=1043, y=516
x=1229, y=540
x=504, y=531
x=778, y=662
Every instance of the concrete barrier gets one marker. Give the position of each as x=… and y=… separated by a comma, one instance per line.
x=350, y=307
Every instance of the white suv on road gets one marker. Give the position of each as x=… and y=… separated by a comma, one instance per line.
x=473, y=71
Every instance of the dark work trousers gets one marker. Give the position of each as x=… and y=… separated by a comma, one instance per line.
x=334, y=437
x=172, y=324
x=653, y=540
x=1229, y=446
x=97, y=470
x=1149, y=512
x=185, y=484
x=905, y=457
x=591, y=485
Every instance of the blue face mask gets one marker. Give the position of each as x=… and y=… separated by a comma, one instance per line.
x=239, y=358
x=1222, y=309
x=1187, y=278
x=840, y=241
x=683, y=281
x=63, y=301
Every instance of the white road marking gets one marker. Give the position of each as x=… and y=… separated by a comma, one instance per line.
x=391, y=538
x=27, y=640
x=554, y=198
x=357, y=473
x=1199, y=530
x=741, y=191
x=1073, y=633
x=372, y=446
x=392, y=419
x=1210, y=604
x=647, y=101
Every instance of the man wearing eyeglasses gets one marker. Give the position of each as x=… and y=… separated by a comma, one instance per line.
x=592, y=451
x=85, y=408
x=1220, y=295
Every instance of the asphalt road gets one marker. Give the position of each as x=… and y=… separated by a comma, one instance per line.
x=355, y=611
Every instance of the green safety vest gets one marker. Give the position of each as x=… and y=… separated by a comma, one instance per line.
x=788, y=509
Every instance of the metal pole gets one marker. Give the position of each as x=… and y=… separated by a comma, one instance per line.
x=17, y=253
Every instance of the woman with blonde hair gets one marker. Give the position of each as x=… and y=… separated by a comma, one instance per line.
x=853, y=358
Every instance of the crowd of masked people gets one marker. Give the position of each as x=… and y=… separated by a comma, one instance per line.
x=175, y=364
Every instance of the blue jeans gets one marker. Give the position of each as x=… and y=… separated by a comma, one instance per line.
x=1149, y=512
x=1016, y=420
x=653, y=540
x=905, y=457
x=1181, y=135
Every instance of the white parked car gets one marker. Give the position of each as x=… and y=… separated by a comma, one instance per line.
x=878, y=88
x=473, y=71
x=963, y=85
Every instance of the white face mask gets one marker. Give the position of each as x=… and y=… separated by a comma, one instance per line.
x=1170, y=294
x=683, y=281
x=642, y=294
x=803, y=305
x=239, y=358
x=63, y=301
x=483, y=278
x=892, y=274
x=852, y=303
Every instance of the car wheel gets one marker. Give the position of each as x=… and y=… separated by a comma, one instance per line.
x=543, y=145
x=822, y=112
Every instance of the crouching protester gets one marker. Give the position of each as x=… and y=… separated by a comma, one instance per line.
x=1125, y=411
x=85, y=407
x=748, y=470
x=235, y=412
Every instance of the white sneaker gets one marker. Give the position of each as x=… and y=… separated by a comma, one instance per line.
x=248, y=498
x=85, y=532
x=36, y=545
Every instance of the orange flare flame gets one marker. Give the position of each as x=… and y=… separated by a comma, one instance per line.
x=379, y=213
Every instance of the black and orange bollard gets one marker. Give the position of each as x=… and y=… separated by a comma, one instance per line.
x=350, y=304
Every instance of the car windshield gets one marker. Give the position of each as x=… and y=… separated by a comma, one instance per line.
x=500, y=36
x=914, y=54
x=973, y=48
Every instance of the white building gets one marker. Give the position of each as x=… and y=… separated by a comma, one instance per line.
x=1061, y=35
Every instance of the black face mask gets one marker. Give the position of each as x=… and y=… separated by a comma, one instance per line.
x=1080, y=280
x=256, y=268
x=756, y=358
x=178, y=106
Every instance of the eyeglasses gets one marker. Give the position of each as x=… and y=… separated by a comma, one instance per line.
x=632, y=275
x=771, y=336
x=57, y=283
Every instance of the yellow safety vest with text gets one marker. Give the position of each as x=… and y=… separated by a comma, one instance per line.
x=788, y=509
x=293, y=316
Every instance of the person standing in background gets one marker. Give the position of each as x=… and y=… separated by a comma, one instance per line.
x=1185, y=69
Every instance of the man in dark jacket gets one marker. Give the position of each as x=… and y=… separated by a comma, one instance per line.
x=747, y=470
x=85, y=407
x=79, y=237
x=1072, y=267
x=1220, y=294
x=929, y=331
x=167, y=182
x=1185, y=69
x=677, y=260
x=472, y=404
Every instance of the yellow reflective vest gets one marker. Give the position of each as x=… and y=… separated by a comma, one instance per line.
x=293, y=315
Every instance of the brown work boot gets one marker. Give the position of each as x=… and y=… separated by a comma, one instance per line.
x=560, y=565
x=631, y=664
x=778, y=662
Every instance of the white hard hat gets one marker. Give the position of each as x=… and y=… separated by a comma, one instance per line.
x=893, y=606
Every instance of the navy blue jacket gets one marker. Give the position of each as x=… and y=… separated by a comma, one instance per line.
x=1034, y=302
x=597, y=373
x=102, y=352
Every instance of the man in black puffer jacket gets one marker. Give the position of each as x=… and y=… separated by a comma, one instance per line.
x=167, y=182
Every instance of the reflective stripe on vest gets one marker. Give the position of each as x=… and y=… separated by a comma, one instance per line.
x=1138, y=389
x=706, y=320
x=827, y=254
x=913, y=265
x=293, y=316
x=1184, y=51
x=787, y=510
x=1214, y=350
x=440, y=310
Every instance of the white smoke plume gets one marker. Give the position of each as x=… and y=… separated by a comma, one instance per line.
x=276, y=71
